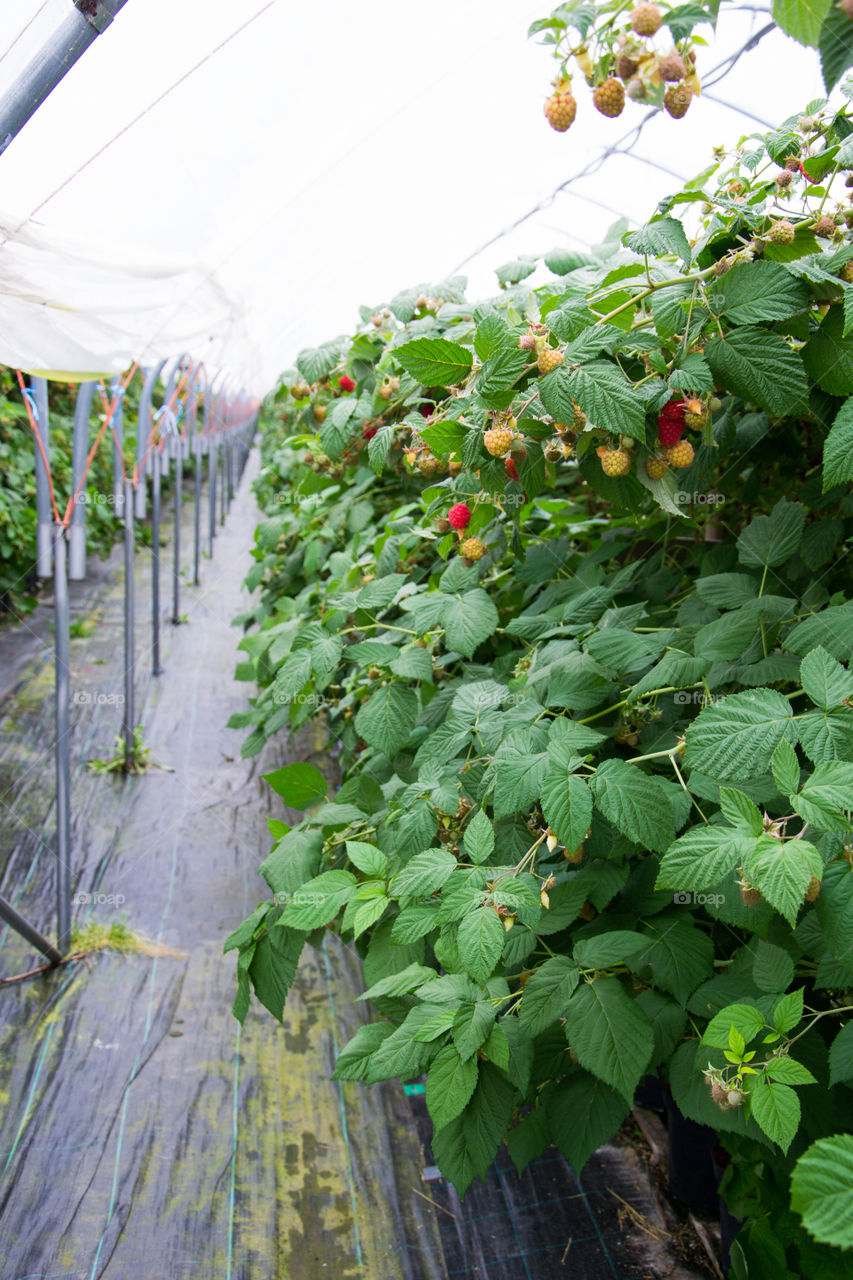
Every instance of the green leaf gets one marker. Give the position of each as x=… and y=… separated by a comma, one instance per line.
x=315, y=362
x=773, y=539
x=758, y=291
x=825, y=795
x=838, y=448
x=292, y=676
x=827, y=735
x=518, y=269
x=273, y=967
x=450, y=1084
x=782, y=869
x=547, y=994
x=610, y=1035
x=828, y=355
x=736, y=736
x=245, y=932
x=608, y=948
x=727, y=590
x=468, y=620
x=435, y=362
x=299, y=785
x=745, y=1019
x=659, y=237
x=788, y=1012
x=635, y=804
x=788, y=1071
x=602, y=391
x=398, y=984
x=354, y=1059
x=583, y=1114
x=740, y=811
x=566, y=804
x=786, y=768
x=801, y=19
x=518, y=779
x=369, y=859
x=760, y=367
x=472, y=1026
x=528, y=1138
x=822, y=1189
x=466, y=1146
x=841, y=1056
x=319, y=900
x=773, y=967
x=699, y=860
x=388, y=717
x=480, y=941
x=776, y=1109
x=479, y=838
x=835, y=45
x=677, y=954
x=423, y=874
x=445, y=438
x=832, y=628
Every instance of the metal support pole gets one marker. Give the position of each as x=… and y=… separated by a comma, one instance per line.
x=197, y=516
x=44, y=515
x=118, y=443
x=224, y=484
x=38, y=80
x=129, y=717
x=80, y=448
x=212, y=465
x=176, y=557
x=62, y=676
x=143, y=428
x=155, y=567
x=26, y=930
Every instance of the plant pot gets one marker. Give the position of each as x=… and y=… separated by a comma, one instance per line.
x=691, y=1172
x=650, y=1095
x=729, y=1224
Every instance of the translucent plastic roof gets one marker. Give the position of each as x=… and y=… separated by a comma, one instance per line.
x=233, y=180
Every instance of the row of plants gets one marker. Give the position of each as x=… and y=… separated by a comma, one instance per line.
x=18, y=582
x=565, y=572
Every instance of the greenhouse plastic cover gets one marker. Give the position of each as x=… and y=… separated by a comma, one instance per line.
x=233, y=180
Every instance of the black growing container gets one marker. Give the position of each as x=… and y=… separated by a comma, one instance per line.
x=729, y=1224
x=691, y=1169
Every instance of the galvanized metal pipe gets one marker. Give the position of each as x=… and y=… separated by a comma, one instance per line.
x=142, y=429
x=176, y=550
x=118, y=445
x=129, y=717
x=62, y=678
x=17, y=922
x=212, y=465
x=197, y=514
x=44, y=515
x=51, y=64
x=79, y=451
x=155, y=565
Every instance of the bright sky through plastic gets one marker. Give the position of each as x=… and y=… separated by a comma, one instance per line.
x=321, y=159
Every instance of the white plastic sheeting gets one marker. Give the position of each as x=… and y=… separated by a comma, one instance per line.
x=233, y=179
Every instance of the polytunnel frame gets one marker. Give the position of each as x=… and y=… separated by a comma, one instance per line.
x=61, y=546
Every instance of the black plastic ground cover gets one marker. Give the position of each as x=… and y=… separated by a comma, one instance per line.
x=142, y=1133
x=548, y=1224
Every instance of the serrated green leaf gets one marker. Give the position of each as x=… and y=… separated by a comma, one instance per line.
x=676, y=954
x=841, y=1056
x=466, y=1146
x=736, y=736
x=786, y=768
x=801, y=19
x=782, y=869
x=468, y=620
x=424, y=874
x=479, y=838
x=369, y=859
x=773, y=967
x=699, y=860
x=771, y=540
x=388, y=717
x=788, y=1012
x=776, y=1109
x=635, y=804
x=583, y=1114
x=450, y=1084
x=319, y=900
x=300, y=785
x=480, y=941
x=760, y=367
x=435, y=362
x=739, y=810
x=822, y=1189
x=838, y=448
x=659, y=237
x=755, y=292
x=547, y=993
x=602, y=391
x=566, y=803
x=746, y=1020
x=610, y=1034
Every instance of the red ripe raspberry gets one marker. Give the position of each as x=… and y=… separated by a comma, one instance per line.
x=369, y=431
x=426, y=410
x=346, y=383
x=511, y=470
x=671, y=422
x=459, y=517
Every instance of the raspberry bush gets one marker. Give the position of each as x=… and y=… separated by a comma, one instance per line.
x=592, y=811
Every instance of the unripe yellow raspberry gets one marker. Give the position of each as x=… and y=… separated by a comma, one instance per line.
x=472, y=549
